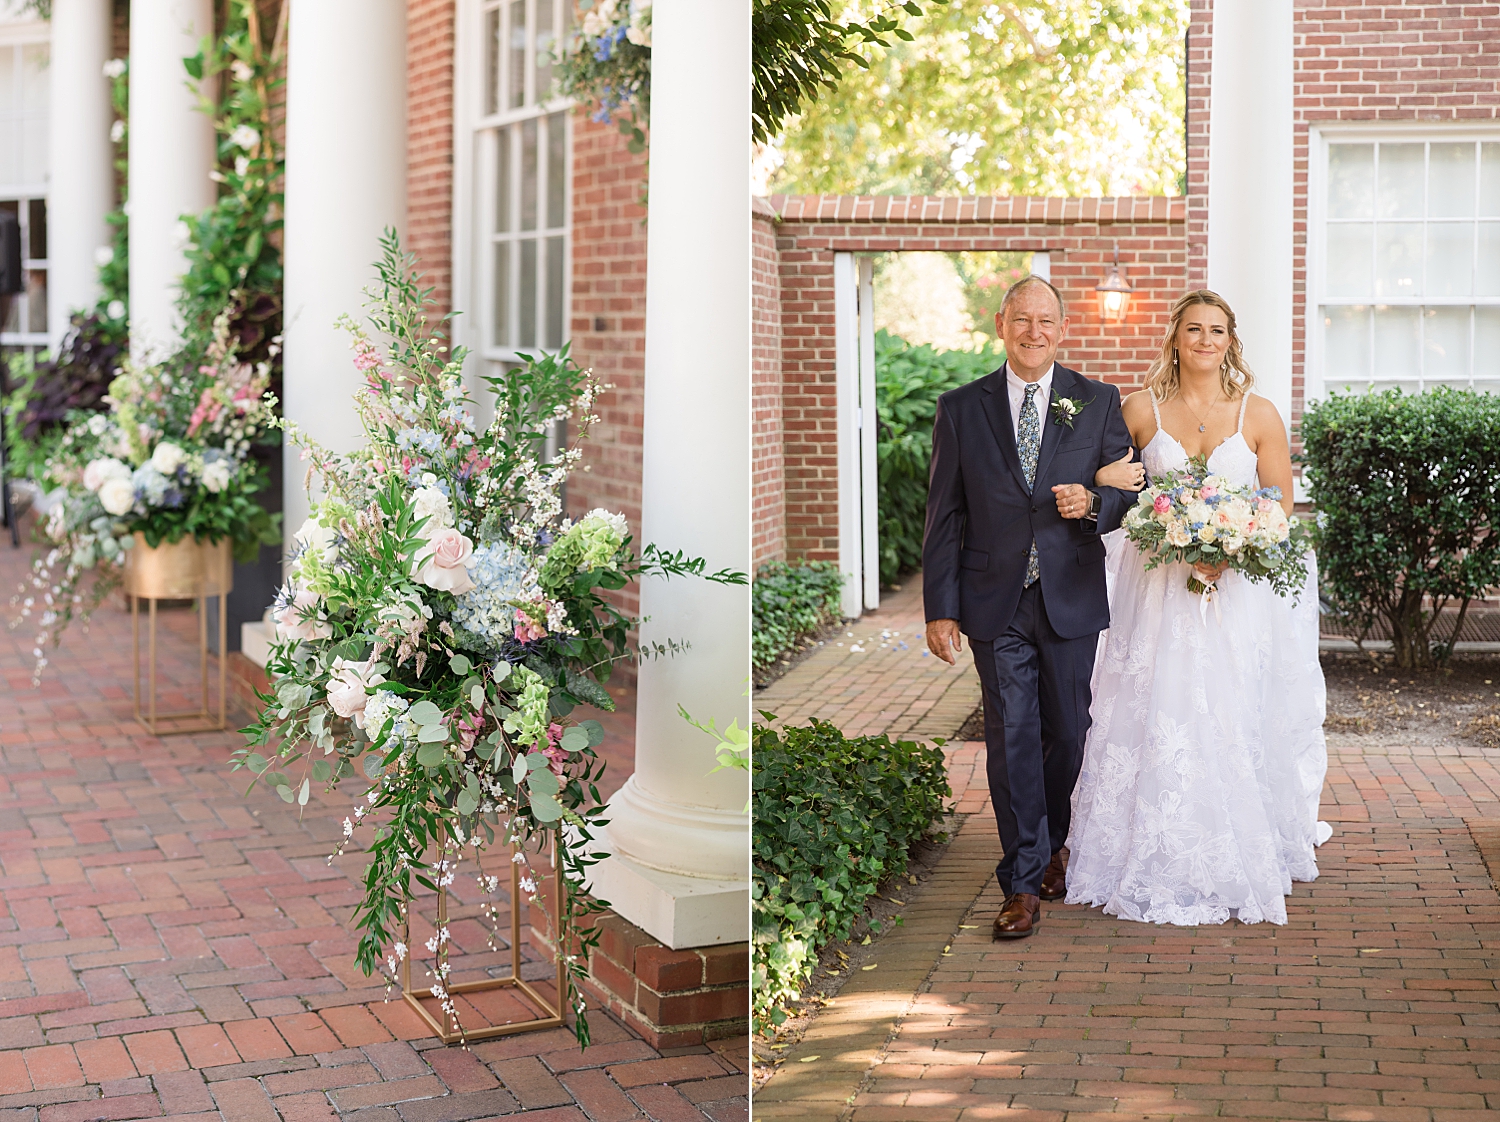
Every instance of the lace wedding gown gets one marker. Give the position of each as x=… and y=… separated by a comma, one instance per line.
x=1198, y=798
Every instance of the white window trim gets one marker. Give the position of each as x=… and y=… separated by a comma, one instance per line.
x=469, y=121
x=1320, y=136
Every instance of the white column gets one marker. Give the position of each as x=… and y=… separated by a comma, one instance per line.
x=869, y=450
x=345, y=183
x=680, y=837
x=80, y=189
x=1250, y=184
x=171, y=155
x=846, y=406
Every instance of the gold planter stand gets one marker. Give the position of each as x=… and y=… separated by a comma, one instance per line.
x=189, y=569
x=442, y=1024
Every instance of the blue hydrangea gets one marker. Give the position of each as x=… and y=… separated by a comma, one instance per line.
x=502, y=575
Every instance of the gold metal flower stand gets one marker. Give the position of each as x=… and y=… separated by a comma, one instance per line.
x=184, y=570
x=527, y=1011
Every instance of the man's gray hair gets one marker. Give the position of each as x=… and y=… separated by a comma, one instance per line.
x=1015, y=290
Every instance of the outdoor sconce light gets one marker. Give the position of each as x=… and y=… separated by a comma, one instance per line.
x=1113, y=292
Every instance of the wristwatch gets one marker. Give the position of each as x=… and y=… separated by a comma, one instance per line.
x=1093, y=511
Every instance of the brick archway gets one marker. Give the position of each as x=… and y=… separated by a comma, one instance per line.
x=795, y=459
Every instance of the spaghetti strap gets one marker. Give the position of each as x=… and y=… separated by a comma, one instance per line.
x=1244, y=401
x=1155, y=412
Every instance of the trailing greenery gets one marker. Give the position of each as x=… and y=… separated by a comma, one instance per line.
x=799, y=51
x=790, y=600
x=1407, y=489
x=834, y=817
x=908, y=381
x=606, y=63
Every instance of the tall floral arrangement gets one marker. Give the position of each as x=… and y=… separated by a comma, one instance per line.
x=171, y=459
x=606, y=61
x=443, y=622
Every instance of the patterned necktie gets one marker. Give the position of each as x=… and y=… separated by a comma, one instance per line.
x=1029, y=445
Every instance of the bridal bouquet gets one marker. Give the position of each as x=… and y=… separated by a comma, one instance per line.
x=1191, y=516
x=170, y=459
x=441, y=624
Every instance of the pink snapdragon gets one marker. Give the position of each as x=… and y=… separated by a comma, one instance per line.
x=553, y=749
x=528, y=629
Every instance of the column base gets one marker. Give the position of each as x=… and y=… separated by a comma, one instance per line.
x=679, y=911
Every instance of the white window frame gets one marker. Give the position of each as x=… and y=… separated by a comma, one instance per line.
x=475, y=132
x=13, y=35
x=1316, y=385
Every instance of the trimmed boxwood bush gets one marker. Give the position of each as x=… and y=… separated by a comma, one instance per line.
x=789, y=601
x=908, y=381
x=1407, y=489
x=833, y=817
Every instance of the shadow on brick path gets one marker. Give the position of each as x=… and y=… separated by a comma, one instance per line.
x=1376, y=1001
x=172, y=948
x=876, y=676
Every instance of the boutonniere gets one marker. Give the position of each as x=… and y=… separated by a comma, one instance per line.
x=1065, y=410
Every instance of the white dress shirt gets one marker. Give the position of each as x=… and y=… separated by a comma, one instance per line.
x=1018, y=396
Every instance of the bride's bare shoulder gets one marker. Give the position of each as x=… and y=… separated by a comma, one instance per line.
x=1137, y=404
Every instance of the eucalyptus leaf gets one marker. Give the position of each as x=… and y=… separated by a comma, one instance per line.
x=502, y=671
x=542, y=782
x=322, y=770
x=575, y=739
x=460, y=665
x=372, y=766
x=256, y=762
x=518, y=769
x=286, y=794
x=304, y=792
x=476, y=697
x=433, y=734
x=466, y=802
x=431, y=754
x=546, y=808
x=595, y=732
x=425, y=713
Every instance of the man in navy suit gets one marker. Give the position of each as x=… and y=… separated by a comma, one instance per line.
x=1012, y=559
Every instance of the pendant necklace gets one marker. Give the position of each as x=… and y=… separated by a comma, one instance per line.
x=1202, y=423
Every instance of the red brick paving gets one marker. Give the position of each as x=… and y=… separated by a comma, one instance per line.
x=1376, y=1001
x=172, y=948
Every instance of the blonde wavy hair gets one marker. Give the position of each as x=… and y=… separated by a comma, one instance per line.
x=1164, y=378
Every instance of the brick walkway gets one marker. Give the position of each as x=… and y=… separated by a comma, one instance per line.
x=881, y=656
x=1377, y=1001
x=171, y=948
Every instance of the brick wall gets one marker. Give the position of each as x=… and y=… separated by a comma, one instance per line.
x=767, y=478
x=1382, y=62
x=429, y=142
x=608, y=325
x=1079, y=234
x=1199, y=57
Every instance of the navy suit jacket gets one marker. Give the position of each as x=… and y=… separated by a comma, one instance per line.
x=981, y=519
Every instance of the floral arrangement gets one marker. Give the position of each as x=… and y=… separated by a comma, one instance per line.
x=171, y=459
x=607, y=61
x=1192, y=516
x=441, y=624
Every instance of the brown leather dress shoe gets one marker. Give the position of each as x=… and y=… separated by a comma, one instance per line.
x=1021, y=915
x=1055, y=879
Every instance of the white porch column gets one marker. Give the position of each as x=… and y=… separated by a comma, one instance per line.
x=80, y=190
x=1250, y=184
x=345, y=183
x=680, y=837
x=171, y=154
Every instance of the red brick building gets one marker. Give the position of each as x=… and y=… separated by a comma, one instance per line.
x=1354, y=223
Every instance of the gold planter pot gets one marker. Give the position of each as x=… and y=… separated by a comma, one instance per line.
x=189, y=569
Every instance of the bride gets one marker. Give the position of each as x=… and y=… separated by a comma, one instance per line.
x=1202, y=772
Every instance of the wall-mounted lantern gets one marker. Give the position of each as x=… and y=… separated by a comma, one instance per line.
x=1113, y=292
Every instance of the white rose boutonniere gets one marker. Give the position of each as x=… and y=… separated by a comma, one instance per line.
x=1065, y=410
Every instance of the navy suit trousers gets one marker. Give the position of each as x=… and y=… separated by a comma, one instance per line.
x=1036, y=716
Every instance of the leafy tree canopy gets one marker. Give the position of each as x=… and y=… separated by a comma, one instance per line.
x=1040, y=97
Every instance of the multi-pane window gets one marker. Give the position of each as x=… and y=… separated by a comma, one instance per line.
x=522, y=190
x=1409, y=292
x=24, y=86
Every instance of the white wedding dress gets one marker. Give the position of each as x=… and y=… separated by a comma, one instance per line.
x=1198, y=797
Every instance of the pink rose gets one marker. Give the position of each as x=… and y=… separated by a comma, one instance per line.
x=1208, y=491
x=348, y=689
x=1162, y=504
x=300, y=618
x=443, y=562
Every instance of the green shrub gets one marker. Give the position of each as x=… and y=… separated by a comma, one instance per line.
x=908, y=381
x=833, y=818
x=789, y=601
x=1407, y=488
